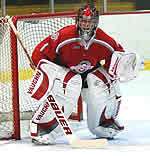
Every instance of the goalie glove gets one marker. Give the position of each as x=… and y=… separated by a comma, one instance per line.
x=124, y=66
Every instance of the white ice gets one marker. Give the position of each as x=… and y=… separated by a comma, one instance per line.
x=134, y=114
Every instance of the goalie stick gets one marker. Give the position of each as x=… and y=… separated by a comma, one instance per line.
x=73, y=140
x=21, y=43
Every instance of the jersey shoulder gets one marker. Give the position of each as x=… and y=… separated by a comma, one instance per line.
x=101, y=35
x=68, y=32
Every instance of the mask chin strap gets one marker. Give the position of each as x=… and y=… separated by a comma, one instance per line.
x=87, y=43
x=85, y=35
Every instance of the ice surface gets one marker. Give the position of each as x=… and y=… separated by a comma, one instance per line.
x=135, y=139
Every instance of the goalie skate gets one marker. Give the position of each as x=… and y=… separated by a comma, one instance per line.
x=111, y=128
x=43, y=140
x=46, y=139
x=44, y=136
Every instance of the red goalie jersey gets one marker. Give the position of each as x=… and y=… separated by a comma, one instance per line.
x=66, y=48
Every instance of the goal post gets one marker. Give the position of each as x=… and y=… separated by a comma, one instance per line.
x=8, y=84
x=16, y=72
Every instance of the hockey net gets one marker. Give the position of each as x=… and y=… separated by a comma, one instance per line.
x=15, y=71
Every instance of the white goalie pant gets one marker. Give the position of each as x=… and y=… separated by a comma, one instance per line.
x=102, y=104
x=66, y=87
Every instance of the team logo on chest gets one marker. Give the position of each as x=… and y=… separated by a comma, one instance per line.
x=82, y=67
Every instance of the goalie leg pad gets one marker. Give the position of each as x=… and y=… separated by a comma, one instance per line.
x=43, y=124
x=65, y=85
x=43, y=79
x=49, y=76
x=103, y=104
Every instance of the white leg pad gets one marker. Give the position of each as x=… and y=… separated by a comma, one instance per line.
x=101, y=96
x=65, y=85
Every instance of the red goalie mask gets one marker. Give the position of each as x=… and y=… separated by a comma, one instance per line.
x=87, y=21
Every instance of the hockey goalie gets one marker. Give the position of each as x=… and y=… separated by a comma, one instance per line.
x=76, y=57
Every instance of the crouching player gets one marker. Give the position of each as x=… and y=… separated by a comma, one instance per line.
x=74, y=57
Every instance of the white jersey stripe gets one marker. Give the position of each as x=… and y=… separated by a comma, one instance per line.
x=79, y=39
x=44, y=46
x=105, y=44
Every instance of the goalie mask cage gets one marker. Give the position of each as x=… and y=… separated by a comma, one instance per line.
x=15, y=71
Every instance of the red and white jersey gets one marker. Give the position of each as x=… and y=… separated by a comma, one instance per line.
x=70, y=51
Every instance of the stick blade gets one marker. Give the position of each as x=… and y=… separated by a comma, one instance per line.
x=97, y=143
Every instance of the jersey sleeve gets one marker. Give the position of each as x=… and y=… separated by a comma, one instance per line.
x=114, y=44
x=46, y=49
x=101, y=35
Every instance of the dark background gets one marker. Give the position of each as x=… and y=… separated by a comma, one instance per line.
x=26, y=2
